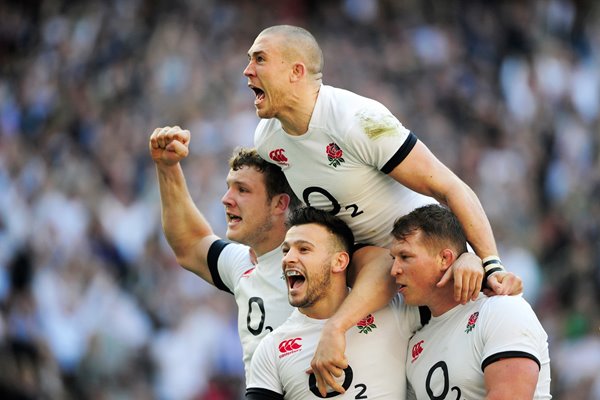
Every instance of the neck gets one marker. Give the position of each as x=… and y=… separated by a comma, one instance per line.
x=325, y=307
x=273, y=240
x=296, y=118
x=442, y=300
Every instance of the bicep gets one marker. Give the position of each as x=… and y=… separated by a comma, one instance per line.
x=511, y=378
x=197, y=260
x=422, y=172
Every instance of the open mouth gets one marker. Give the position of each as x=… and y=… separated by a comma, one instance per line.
x=294, y=279
x=232, y=218
x=259, y=94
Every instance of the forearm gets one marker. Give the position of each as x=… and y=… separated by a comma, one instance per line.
x=468, y=209
x=373, y=287
x=183, y=224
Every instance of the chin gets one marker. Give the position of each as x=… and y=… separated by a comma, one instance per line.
x=264, y=113
x=296, y=302
x=235, y=236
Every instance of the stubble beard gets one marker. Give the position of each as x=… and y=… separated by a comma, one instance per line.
x=315, y=290
x=260, y=234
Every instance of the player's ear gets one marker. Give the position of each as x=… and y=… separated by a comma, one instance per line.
x=446, y=258
x=341, y=260
x=298, y=72
x=281, y=202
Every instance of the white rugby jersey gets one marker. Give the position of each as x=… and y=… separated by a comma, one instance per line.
x=260, y=291
x=341, y=163
x=447, y=356
x=376, y=349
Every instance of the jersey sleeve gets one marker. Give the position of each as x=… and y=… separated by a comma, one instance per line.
x=378, y=138
x=511, y=329
x=227, y=263
x=263, y=376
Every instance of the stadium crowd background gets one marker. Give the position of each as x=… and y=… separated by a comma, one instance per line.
x=92, y=302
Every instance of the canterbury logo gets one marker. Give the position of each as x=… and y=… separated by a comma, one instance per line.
x=417, y=350
x=278, y=156
x=289, y=346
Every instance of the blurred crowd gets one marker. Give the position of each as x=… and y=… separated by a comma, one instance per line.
x=92, y=302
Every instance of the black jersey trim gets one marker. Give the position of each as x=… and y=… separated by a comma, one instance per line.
x=212, y=259
x=508, y=354
x=262, y=394
x=425, y=314
x=401, y=154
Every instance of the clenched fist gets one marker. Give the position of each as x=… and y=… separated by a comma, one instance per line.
x=169, y=145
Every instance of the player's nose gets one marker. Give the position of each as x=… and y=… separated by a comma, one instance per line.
x=289, y=258
x=249, y=70
x=227, y=199
x=396, y=268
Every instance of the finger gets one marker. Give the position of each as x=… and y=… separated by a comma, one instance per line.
x=520, y=287
x=321, y=385
x=465, y=293
x=477, y=288
x=333, y=384
x=182, y=135
x=174, y=133
x=458, y=286
x=446, y=278
x=473, y=287
x=161, y=137
x=153, y=141
x=510, y=285
x=505, y=284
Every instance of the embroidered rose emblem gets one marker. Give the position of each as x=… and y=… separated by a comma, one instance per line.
x=472, y=321
x=367, y=324
x=334, y=154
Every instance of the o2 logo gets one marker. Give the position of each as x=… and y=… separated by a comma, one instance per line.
x=336, y=207
x=440, y=365
x=348, y=377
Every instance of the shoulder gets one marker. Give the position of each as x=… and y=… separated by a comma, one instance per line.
x=224, y=250
x=350, y=103
x=265, y=128
x=355, y=113
x=509, y=311
x=506, y=303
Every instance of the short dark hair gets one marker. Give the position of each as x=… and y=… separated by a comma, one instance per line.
x=333, y=224
x=275, y=181
x=437, y=223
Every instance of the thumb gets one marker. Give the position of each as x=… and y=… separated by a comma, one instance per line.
x=178, y=148
x=494, y=284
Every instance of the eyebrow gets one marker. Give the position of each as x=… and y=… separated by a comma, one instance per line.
x=255, y=52
x=297, y=242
